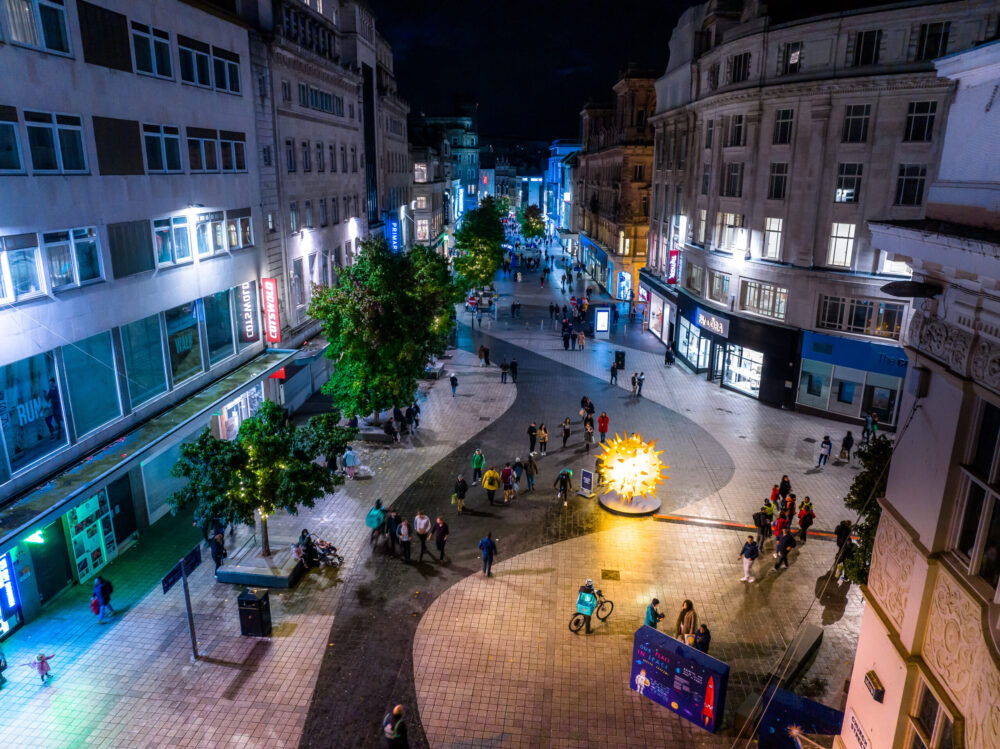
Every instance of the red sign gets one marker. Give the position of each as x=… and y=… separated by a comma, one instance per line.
x=672, y=263
x=272, y=325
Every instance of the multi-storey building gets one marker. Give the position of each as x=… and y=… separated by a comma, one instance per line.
x=776, y=139
x=930, y=636
x=613, y=182
x=130, y=255
x=463, y=139
x=395, y=167
x=431, y=180
x=554, y=190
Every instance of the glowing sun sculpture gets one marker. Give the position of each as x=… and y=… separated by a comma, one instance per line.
x=632, y=467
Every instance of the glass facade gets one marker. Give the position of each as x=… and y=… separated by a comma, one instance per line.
x=31, y=412
x=656, y=315
x=691, y=345
x=91, y=382
x=183, y=341
x=743, y=369
x=143, y=350
x=218, y=326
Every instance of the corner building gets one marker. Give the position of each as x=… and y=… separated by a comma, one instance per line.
x=777, y=138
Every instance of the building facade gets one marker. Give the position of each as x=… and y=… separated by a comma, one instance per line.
x=461, y=131
x=777, y=138
x=614, y=182
x=930, y=636
x=431, y=182
x=554, y=203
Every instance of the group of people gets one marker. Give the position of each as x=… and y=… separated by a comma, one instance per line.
x=402, y=422
x=398, y=532
x=826, y=449
x=508, y=478
x=775, y=517
x=686, y=628
x=313, y=552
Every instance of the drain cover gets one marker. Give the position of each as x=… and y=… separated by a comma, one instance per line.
x=610, y=575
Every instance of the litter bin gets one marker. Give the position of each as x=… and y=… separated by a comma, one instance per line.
x=255, y=613
x=620, y=359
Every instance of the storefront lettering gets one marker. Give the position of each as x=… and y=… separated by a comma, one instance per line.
x=712, y=323
x=248, y=314
x=892, y=361
x=31, y=410
x=672, y=266
x=272, y=324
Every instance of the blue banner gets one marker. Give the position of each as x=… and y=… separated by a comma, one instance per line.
x=679, y=677
x=392, y=233
x=847, y=352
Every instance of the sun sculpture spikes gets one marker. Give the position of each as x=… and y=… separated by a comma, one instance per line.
x=632, y=467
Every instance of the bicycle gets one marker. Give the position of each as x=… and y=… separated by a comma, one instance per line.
x=602, y=612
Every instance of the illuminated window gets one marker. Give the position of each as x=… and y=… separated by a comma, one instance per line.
x=791, y=61
x=171, y=240
x=38, y=23
x=420, y=172
x=763, y=299
x=848, y=183
x=841, y=251
x=772, y=239
x=423, y=229
x=73, y=257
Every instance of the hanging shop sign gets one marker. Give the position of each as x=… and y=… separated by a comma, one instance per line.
x=673, y=265
x=272, y=323
x=246, y=301
x=712, y=323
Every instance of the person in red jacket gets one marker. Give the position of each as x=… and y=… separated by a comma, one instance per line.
x=602, y=424
x=780, y=525
x=806, y=516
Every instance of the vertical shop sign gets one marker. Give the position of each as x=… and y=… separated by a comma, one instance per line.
x=272, y=324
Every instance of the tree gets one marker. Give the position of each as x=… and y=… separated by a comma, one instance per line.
x=532, y=222
x=268, y=467
x=387, y=315
x=479, y=242
x=323, y=435
x=869, y=484
x=503, y=205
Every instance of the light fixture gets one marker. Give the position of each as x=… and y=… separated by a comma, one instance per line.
x=632, y=467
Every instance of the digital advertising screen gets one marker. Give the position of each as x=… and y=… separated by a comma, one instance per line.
x=679, y=677
x=602, y=320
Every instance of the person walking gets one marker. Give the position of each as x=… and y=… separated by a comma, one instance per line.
x=603, y=421
x=478, y=462
x=218, y=549
x=422, y=527
x=532, y=436
x=482, y=355
x=668, y=355
x=845, y=447
x=403, y=535
x=565, y=337
x=614, y=373
x=687, y=622
x=635, y=383
x=488, y=548
x=653, y=615
x=41, y=665
x=581, y=339
x=461, y=489
x=391, y=527
x=780, y=526
x=806, y=517
x=513, y=367
x=573, y=338
x=748, y=554
x=588, y=437
x=504, y=366
x=825, y=448
x=491, y=482
x=760, y=522
x=453, y=379
x=543, y=438
x=530, y=471
x=785, y=544
x=350, y=461
x=394, y=729
x=507, y=480
x=375, y=519
x=640, y=382
x=843, y=534
x=440, y=536
x=102, y=592
x=486, y=353
x=784, y=488
x=565, y=431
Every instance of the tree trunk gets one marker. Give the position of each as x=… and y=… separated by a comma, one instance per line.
x=265, y=546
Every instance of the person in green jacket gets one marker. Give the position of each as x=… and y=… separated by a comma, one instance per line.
x=478, y=463
x=653, y=614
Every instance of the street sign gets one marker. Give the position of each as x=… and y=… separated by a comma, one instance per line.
x=190, y=561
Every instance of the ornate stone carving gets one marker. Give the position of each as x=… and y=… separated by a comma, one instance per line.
x=913, y=334
x=985, y=367
x=893, y=557
x=945, y=342
x=954, y=639
x=982, y=719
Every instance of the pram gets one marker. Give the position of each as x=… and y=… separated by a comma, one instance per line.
x=327, y=553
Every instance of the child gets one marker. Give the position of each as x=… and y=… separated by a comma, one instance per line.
x=41, y=665
x=774, y=494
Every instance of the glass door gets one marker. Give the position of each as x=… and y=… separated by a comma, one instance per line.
x=718, y=361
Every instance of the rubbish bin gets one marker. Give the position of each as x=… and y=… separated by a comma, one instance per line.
x=620, y=359
x=255, y=613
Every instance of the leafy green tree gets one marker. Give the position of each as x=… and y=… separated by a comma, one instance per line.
x=268, y=467
x=503, y=205
x=869, y=484
x=532, y=222
x=323, y=435
x=479, y=243
x=385, y=318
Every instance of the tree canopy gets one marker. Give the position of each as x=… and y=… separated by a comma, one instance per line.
x=532, y=222
x=479, y=242
x=387, y=315
x=868, y=485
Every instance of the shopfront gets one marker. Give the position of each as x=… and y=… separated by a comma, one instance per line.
x=849, y=378
x=10, y=607
x=595, y=262
x=660, y=309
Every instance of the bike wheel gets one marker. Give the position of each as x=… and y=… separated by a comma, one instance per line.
x=576, y=622
x=605, y=609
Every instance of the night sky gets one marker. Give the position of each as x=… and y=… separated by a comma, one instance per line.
x=530, y=63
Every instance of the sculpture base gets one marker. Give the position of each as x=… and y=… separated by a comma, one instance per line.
x=638, y=507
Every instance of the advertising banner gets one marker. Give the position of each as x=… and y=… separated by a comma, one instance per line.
x=673, y=265
x=272, y=324
x=679, y=677
x=246, y=306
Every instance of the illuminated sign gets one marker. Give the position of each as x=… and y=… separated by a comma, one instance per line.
x=679, y=677
x=673, y=264
x=711, y=323
x=8, y=596
x=602, y=320
x=272, y=323
x=392, y=230
x=246, y=301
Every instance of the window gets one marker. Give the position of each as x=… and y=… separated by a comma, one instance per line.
x=713, y=77
x=320, y=160
x=420, y=172
x=91, y=382
x=73, y=257
x=933, y=40
x=298, y=282
x=910, y=184
x=323, y=218
x=10, y=149
x=163, y=148
x=727, y=230
x=856, y=123
x=682, y=149
x=142, y=346
x=21, y=275
x=218, y=326
x=866, y=47
x=783, y=126
x=196, y=65
x=763, y=299
x=308, y=215
x=286, y=92
x=226, y=66
x=334, y=210
x=930, y=726
x=709, y=132
x=38, y=23
x=848, y=183
x=694, y=277
x=239, y=227
x=739, y=68
x=234, y=152
x=920, y=121
x=210, y=234
x=791, y=58
x=152, y=51
x=338, y=105
x=732, y=185
x=333, y=158
x=644, y=203
x=841, y=245
x=303, y=95
x=706, y=178
x=862, y=316
x=638, y=173
x=718, y=286
x=771, y=249
x=777, y=181
x=290, y=154
x=203, y=150
x=421, y=201
x=347, y=206
x=183, y=341
x=265, y=156
x=306, y=157
x=171, y=241
x=423, y=230
x=354, y=158
x=343, y=158
x=736, y=130
x=32, y=384
x=702, y=222
x=293, y=216
x=56, y=143
x=271, y=225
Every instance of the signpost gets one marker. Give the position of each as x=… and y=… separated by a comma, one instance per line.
x=586, y=484
x=180, y=571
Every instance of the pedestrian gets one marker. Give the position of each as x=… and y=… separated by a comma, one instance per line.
x=440, y=536
x=635, y=383
x=774, y=494
x=504, y=366
x=641, y=380
x=486, y=350
x=350, y=461
x=102, y=592
x=543, y=438
x=422, y=527
x=761, y=523
x=532, y=436
x=413, y=416
x=702, y=638
x=668, y=355
x=845, y=447
x=507, y=481
x=482, y=354
x=488, y=548
x=687, y=622
x=218, y=550
x=769, y=511
x=479, y=317
x=581, y=339
x=653, y=615
x=394, y=729
x=588, y=437
x=843, y=534
x=806, y=517
x=614, y=373
x=513, y=363
x=780, y=526
x=784, y=487
x=789, y=508
x=573, y=339
x=565, y=338
x=602, y=424
x=403, y=536
x=454, y=383
x=375, y=519
x=390, y=430
x=41, y=666
x=530, y=471
x=461, y=488
x=478, y=462
x=825, y=448
x=491, y=482
x=565, y=431
x=391, y=529
x=785, y=544
x=748, y=554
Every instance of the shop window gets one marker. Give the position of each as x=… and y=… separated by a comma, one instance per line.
x=20, y=267
x=72, y=257
x=845, y=392
x=183, y=341
x=814, y=383
x=423, y=229
x=743, y=369
x=218, y=326
x=38, y=23
x=33, y=410
x=55, y=142
x=91, y=382
x=143, y=353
